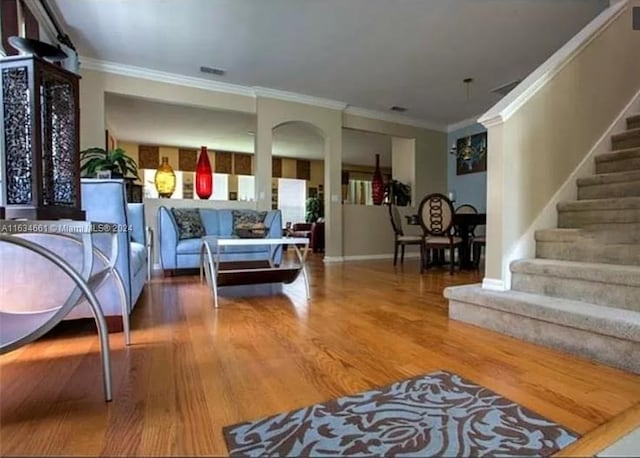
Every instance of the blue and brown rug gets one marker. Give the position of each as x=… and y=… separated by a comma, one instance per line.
x=438, y=414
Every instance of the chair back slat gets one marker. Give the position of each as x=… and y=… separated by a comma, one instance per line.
x=436, y=215
x=467, y=209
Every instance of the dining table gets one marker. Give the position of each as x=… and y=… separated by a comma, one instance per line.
x=464, y=223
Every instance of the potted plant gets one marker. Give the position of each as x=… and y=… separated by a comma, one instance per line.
x=314, y=209
x=398, y=193
x=117, y=161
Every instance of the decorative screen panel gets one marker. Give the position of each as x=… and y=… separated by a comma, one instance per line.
x=59, y=147
x=187, y=159
x=223, y=162
x=17, y=134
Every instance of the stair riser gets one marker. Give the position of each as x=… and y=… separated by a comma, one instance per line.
x=604, y=349
x=618, y=296
x=623, y=165
x=600, y=219
x=609, y=190
x=633, y=123
x=624, y=143
x=583, y=252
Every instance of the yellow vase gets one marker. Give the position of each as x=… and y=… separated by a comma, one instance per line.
x=165, y=179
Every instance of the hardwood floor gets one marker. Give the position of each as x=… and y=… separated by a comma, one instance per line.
x=192, y=369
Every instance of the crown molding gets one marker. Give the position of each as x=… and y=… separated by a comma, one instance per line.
x=462, y=124
x=395, y=118
x=89, y=63
x=298, y=98
x=115, y=68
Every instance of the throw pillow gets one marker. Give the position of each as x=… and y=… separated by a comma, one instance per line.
x=189, y=223
x=249, y=223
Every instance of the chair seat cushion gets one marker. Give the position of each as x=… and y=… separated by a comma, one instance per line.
x=138, y=254
x=409, y=238
x=443, y=240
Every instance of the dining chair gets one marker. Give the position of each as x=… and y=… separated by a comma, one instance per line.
x=435, y=214
x=477, y=241
x=401, y=240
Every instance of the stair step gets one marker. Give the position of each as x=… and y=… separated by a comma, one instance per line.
x=610, y=336
x=609, y=247
x=607, y=185
x=612, y=285
x=633, y=122
x=618, y=161
x=600, y=213
x=627, y=139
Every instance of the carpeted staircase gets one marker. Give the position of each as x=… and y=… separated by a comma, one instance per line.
x=581, y=293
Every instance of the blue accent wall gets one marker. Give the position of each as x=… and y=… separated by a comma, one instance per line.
x=470, y=188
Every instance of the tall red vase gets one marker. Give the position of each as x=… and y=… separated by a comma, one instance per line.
x=377, y=185
x=204, y=178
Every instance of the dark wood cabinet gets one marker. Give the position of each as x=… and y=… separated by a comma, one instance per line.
x=39, y=112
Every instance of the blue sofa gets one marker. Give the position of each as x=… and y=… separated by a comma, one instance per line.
x=185, y=254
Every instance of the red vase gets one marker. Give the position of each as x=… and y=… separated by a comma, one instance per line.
x=204, y=178
x=377, y=185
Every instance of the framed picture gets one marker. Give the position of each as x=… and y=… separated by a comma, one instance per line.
x=471, y=154
x=233, y=195
x=103, y=174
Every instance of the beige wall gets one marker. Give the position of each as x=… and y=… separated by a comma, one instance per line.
x=534, y=152
x=430, y=150
x=272, y=113
x=369, y=230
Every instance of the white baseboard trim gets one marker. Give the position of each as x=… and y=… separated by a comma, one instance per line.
x=493, y=284
x=157, y=266
x=332, y=259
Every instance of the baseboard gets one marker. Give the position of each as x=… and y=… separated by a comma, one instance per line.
x=493, y=284
x=332, y=259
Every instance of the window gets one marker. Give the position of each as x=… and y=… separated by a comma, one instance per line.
x=220, y=187
x=292, y=195
x=360, y=192
x=246, y=187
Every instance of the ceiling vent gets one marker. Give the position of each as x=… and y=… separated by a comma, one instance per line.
x=505, y=88
x=213, y=71
x=398, y=109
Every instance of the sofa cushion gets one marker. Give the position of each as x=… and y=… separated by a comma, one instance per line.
x=138, y=254
x=192, y=246
x=250, y=220
x=189, y=223
x=210, y=219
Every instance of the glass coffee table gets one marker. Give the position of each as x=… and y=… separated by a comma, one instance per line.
x=233, y=273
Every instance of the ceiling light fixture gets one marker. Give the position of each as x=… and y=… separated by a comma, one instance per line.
x=468, y=82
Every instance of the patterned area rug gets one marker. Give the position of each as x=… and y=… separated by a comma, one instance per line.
x=430, y=415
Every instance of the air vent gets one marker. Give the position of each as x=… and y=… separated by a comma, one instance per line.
x=213, y=71
x=505, y=88
x=398, y=109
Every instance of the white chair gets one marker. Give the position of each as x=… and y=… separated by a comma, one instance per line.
x=18, y=327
